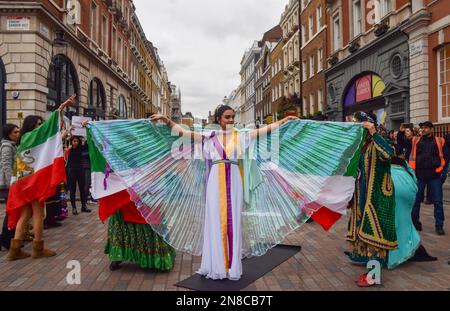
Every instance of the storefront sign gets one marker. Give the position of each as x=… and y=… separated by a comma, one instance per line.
x=364, y=88
x=18, y=23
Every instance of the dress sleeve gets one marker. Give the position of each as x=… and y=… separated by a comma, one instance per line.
x=385, y=152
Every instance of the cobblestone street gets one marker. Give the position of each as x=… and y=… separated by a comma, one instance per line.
x=321, y=265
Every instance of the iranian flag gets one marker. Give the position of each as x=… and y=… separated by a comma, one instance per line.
x=40, y=168
x=109, y=190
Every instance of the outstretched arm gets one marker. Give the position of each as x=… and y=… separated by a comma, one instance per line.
x=176, y=127
x=271, y=127
x=69, y=102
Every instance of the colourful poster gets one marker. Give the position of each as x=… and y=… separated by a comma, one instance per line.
x=364, y=88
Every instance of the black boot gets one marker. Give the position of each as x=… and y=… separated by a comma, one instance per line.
x=421, y=254
x=115, y=265
x=74, y=211
x=84, y=209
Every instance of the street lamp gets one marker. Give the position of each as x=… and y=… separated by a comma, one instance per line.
x=59, y=45
x=59, y=50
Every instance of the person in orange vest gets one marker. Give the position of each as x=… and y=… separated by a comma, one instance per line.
x=427, y=160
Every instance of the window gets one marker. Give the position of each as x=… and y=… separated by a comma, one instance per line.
x=119, y=50
x=319, y=17
x=303, y=34
x=304, y=71
x=444, y=81
x=319, y=60
x=311, y=29
x=305, y=103
x=96, y=98
x=385, y=7
x=356, y=17
x=104, y=33
x=311, y=66
x=122, y=107
x=311, y=103
x=114, y=44
x=94, y=23
x=319, y=100
x=336, y=33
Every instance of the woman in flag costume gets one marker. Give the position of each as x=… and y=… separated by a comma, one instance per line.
x=226, y=193
x=39, y=170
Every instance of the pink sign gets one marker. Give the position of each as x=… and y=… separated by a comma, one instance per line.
x=364, y=88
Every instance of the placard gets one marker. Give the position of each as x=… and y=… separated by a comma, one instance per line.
x=77, y=129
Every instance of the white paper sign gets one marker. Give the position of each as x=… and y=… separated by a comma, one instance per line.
x=18, y=23
x=77, y=129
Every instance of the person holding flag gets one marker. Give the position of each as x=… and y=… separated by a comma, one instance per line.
x=39, y=169
x=130, y=237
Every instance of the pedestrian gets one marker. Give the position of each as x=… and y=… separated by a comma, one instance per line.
x=371, y=229
x=28, y=193
x=86, y=165
x=428, y=162
x=8, y=151
x=75, y=173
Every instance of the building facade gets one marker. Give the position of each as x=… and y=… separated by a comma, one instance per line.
x=277, y=79
x=313, y=55
x=290, y=25
x=368, y=60
x=263, y=74
x=175, y=99
x=428, y=30
x=95, y=49
x=248, y=95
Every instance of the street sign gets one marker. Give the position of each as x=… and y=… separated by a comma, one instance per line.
x=18, y=23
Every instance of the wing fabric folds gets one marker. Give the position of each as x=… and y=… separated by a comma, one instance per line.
x=290, y=174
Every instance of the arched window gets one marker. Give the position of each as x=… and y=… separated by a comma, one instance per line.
x=122, y=107
x=97, y=98
x=62, y=82
x=2, y=94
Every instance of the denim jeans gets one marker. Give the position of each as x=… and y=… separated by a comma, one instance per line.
x=435, y=186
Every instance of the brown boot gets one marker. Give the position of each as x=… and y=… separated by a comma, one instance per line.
x=39, y=251
x=15, y=251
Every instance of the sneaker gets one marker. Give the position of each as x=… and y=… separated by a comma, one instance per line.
x=440, y=231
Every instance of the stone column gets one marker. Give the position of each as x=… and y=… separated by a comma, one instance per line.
x=418, y=60
x=26, y=56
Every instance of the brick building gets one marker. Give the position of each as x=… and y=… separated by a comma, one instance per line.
x=313, y=51
x=368, y=59
x=93, y=48
x=290, y=21
x=263, y=105
x=277, y=78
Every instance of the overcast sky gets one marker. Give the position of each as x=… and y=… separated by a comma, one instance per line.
x=201, y=42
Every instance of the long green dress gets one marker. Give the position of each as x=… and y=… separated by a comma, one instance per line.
x=138, y=243
x=405, y=195
x=371, y=227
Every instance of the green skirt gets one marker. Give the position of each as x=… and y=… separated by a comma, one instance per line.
x=139, y=244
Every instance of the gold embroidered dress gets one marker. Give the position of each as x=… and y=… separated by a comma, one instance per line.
x=371, y=227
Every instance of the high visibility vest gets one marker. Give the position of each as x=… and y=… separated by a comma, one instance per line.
x=439, y=142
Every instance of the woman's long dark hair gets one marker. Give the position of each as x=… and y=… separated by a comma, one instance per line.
x=7, y=130
x=29, y=124
x=220, y=111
